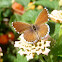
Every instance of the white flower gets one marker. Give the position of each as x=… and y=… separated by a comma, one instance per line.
x=30, y=49
x=29, y=57
x=56, y=15
x=46, y=51
x=47, y=44
x=39, y=52
x=17, y=44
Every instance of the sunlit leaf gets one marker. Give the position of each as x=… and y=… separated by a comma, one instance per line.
x=5, y=3
x=48, y=3
x=21, y=58
x=56, y=32
x=23, y=2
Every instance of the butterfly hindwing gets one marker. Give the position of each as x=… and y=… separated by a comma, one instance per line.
x=20, y=26
x=43, y=30
x=30, y=35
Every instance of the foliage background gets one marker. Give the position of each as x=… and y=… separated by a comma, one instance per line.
x=10, y=53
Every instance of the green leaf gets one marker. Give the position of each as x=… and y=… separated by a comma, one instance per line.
x=60, y=55
x=5, y=3
x=1, y=18
x=23, y=2
x=60, y=36
x=60, y=32
x=57, y=50
x=48, y=3
x=12, y=19
x=21, y=58
x=56, y=32
x=9, y=58
x=52, y=27
x=30, y=16
x=7, y=13
x=18, y=17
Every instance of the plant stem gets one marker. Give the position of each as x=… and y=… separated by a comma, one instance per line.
x=41, y=59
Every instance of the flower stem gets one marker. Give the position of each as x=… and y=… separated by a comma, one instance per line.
x=41, y=59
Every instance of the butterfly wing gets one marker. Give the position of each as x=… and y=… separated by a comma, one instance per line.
x=30, y=35
x=43, y=30
x=20, y=26
x=42, y=17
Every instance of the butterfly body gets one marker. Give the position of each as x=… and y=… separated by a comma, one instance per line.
x=36, y=31
x=34, y=27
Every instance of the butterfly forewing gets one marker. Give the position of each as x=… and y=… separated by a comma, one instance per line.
x=43, y=30
x=20, y=26
x=30, y=35
x=42, y=17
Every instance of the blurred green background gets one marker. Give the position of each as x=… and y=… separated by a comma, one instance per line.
x=10, y=13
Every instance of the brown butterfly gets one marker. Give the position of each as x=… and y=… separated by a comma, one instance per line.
x=36, y=31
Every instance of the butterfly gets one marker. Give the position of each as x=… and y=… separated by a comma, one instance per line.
x=34, y=32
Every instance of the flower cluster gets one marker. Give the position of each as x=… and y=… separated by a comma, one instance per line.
x=30, y=49
x=56, y=16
